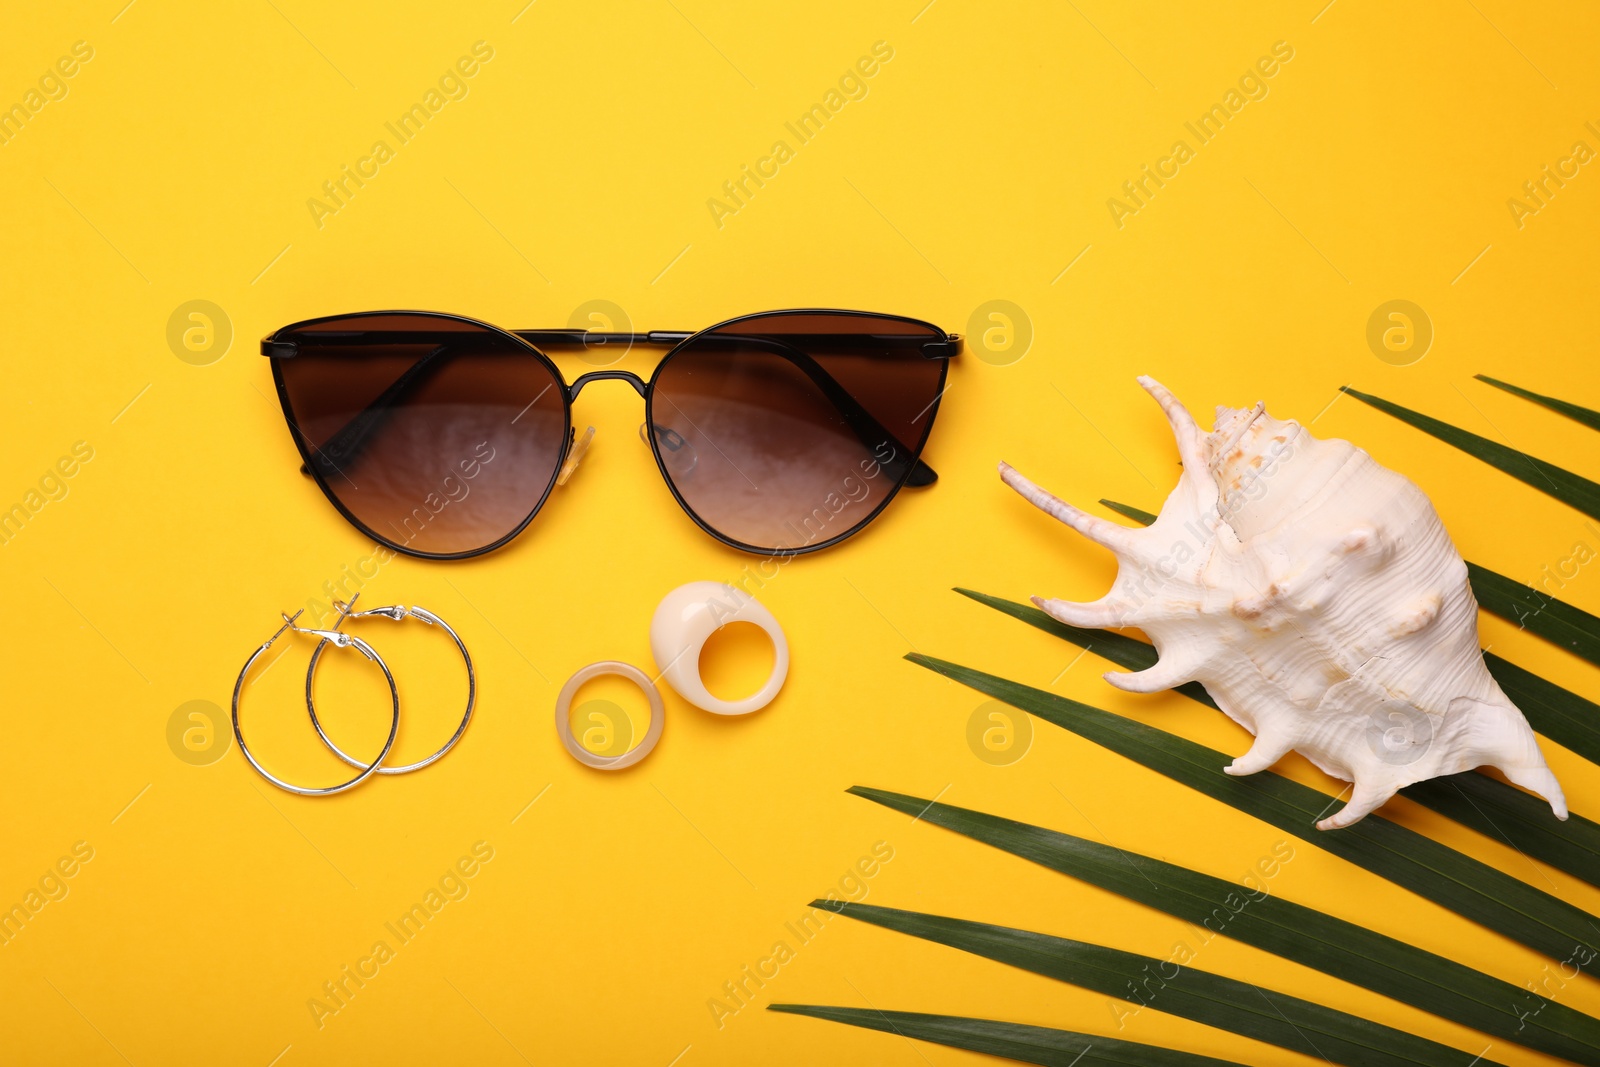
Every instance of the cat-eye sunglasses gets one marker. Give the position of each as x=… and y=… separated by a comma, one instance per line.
x=778, y=433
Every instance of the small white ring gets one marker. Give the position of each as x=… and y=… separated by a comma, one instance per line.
x=658, y=715
x=687, y=617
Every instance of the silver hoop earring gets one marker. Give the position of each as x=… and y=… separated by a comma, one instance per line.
x=342, y=640
x=397, y=613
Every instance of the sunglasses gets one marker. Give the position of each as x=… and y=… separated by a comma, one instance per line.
x=778, y=433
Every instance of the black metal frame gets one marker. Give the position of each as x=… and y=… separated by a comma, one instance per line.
x=914, y=473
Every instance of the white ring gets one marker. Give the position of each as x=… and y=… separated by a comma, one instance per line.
x=638, y=752
x=687, y=617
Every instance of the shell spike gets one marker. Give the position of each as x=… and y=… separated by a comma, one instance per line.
x=1185, y=430
x=1106, y=612
x=1539, y=780
x=1172, y=669
x=1364, y=800
x=1119, y=539
x=1266, y=751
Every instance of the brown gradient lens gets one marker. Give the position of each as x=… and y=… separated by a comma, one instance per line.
x=787, y=431
x=435, y=435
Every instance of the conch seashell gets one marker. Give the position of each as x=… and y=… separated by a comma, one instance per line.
x=1317, y=597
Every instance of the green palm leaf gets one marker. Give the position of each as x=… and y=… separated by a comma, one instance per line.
x=1014, y=1041
x=1560, y=623
x=1586, y=416
x=1506, y=814
x=1343, y=949
x=1490, y=807
x=1177, y=989
x=1548, y=478
x=1141, y=517
x=1433, y=871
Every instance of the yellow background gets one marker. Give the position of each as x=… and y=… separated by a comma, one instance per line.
x=578, y=168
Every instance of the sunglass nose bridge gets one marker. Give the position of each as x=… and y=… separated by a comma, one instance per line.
x=638, y=383
x=575, y=456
